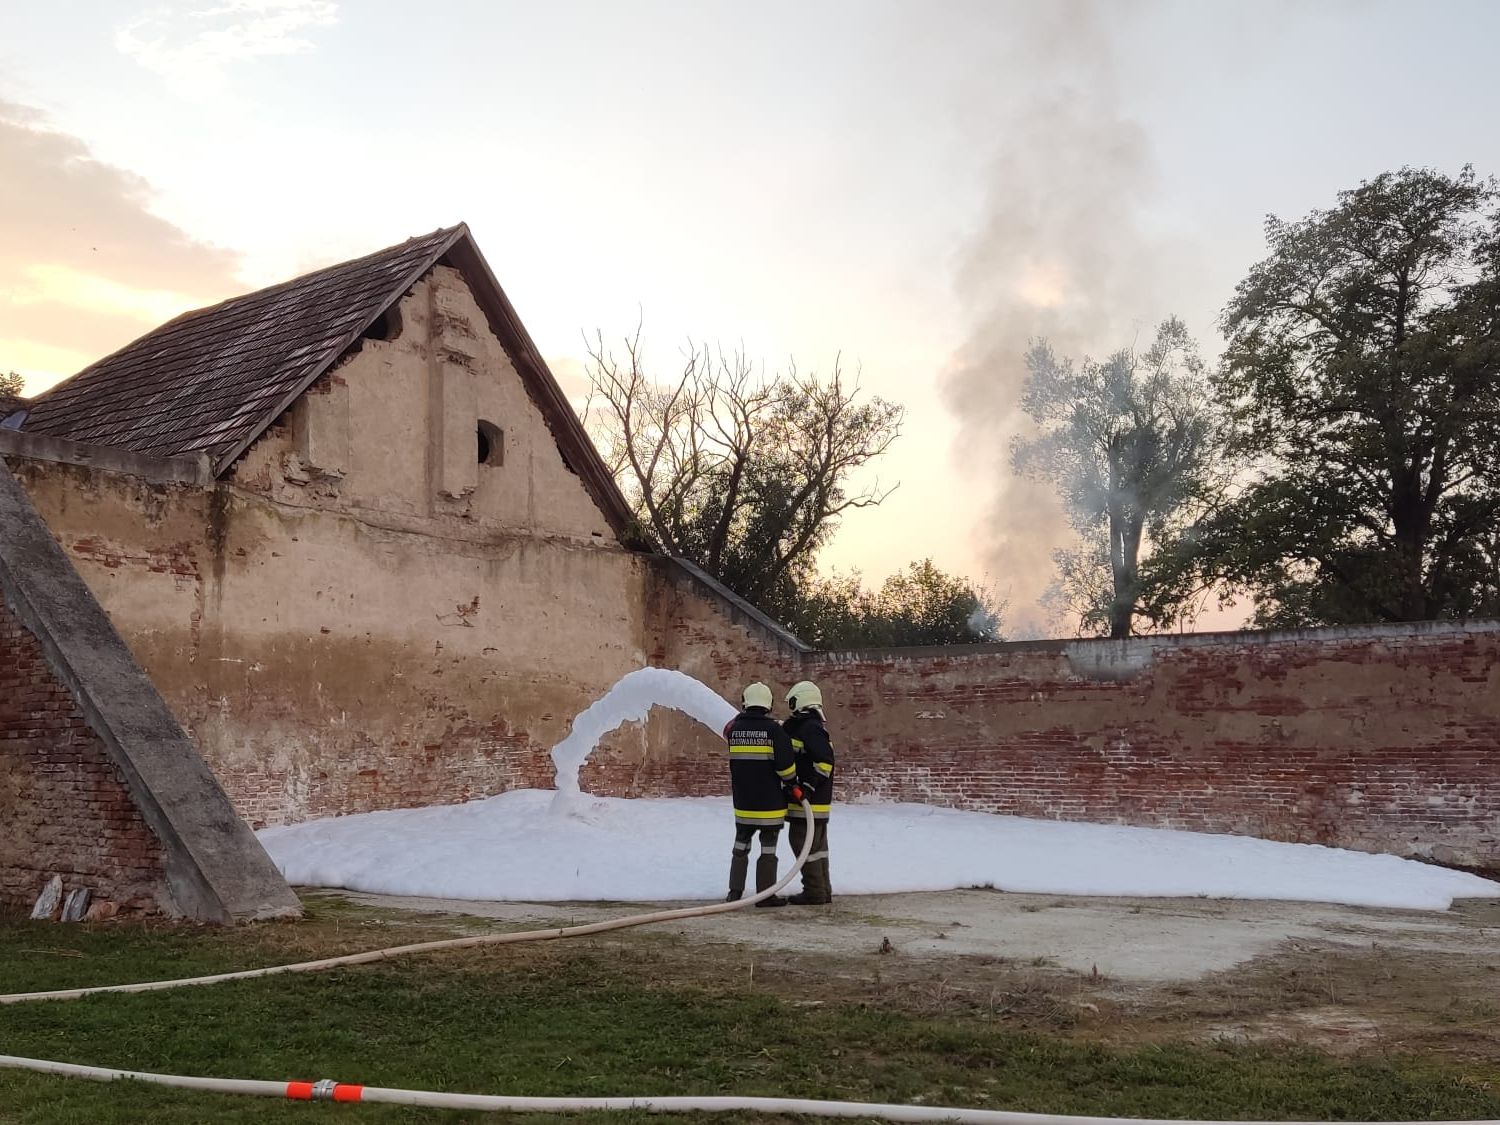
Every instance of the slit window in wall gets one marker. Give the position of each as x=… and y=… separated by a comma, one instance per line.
x=491, y=444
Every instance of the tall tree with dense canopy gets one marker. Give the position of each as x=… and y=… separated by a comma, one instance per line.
x=1132, y=446
x=1363, y=375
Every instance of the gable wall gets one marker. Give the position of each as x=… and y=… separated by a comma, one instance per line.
x=362, y=615
x=393, y=429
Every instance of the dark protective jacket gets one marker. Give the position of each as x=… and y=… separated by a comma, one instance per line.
x=760, y=760
x=814, y=760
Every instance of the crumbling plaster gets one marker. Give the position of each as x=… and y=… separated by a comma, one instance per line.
x=361, y=614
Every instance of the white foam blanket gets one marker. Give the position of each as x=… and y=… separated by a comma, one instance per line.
x=564, y=845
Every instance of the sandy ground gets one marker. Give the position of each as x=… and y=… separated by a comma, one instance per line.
x=1130, y=940
x=1335, y=978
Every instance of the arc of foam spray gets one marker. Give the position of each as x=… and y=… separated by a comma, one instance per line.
x=630, y=700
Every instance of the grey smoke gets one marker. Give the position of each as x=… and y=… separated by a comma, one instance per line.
x=1061, y=252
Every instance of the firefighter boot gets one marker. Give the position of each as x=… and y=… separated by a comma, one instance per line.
x=815, y=889
x=797, y=835
x=821, y=888
x=765, y=878
x=825, y=885
x=739, y=867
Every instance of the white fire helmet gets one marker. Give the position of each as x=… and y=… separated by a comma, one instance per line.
x=804, y=696
x=758, y=695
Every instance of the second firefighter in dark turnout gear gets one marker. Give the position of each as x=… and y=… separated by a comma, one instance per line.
x=761, y=760
x=814, y=751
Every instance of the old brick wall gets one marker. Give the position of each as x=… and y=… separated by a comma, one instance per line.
x=64, y=807
x=697, y=631
x=1377, y=739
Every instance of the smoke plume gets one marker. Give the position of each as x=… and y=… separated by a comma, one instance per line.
x=1060, y=252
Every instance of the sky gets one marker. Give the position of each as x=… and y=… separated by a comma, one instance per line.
x=567, y=845
x=913, y=190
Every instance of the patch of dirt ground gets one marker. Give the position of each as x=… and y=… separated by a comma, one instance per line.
x=1335, y=977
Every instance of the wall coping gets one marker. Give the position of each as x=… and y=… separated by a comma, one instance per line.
x=739, y=609
x=110, y=458
x=216, y=870
x=1103, y=658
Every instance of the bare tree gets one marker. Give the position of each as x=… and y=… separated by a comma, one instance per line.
x=745, y=475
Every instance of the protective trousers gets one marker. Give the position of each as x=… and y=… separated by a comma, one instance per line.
x=739, y=863
x=816, y=889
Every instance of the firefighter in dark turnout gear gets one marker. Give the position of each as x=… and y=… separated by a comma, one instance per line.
x=814, y=752
x=761, y=761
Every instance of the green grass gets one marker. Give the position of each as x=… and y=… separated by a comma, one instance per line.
x=580, y=1019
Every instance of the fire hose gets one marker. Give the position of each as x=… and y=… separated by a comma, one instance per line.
x=373, y=955
x=330, y=1090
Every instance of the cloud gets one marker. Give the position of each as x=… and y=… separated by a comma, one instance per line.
x=193, y=47
x=85, y=266
x=1062, y=251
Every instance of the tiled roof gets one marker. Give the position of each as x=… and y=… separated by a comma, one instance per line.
x=211, y=380
x=9, y=403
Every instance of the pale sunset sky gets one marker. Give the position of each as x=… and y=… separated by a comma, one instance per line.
x=919, y=187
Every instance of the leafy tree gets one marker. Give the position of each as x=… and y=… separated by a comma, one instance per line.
x=924, y=606
x=1363, y=374
x=744, y=475
x=1133, y=447
x=831, y=612
x=920, y=605
x=11, y=384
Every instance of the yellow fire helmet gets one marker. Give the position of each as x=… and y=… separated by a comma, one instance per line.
x=758, y=695
x=804, y=696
